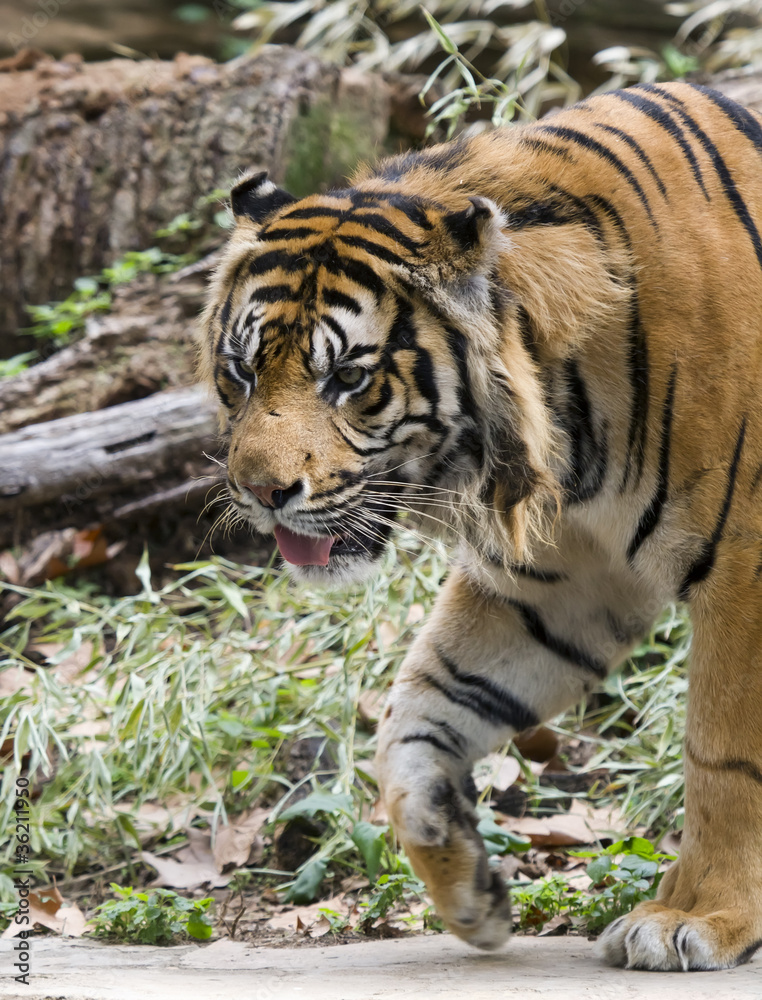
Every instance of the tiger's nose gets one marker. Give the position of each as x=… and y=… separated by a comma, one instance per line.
x=273, y=494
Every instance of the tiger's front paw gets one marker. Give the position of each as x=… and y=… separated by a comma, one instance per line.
x=657, y=937
x=437, y=828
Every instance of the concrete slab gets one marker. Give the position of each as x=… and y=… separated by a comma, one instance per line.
x=418, y=968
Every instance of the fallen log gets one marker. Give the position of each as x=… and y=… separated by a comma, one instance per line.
x=72, y=461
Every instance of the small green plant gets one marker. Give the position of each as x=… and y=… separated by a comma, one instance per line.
x=57, y=321
x=626, y=873
x=8, y=911
x=17, y=364
x=538, y=902
x=158, y=916
x=520, y=84
x=391, y=889
x=336, y=921
x=622, y=875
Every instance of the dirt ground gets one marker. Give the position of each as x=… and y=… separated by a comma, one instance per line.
x=417, y=968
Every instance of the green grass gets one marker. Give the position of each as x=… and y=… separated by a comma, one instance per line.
x=194, y=689
x=189, y=692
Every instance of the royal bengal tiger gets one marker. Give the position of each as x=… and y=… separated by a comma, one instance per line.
x=547, y=338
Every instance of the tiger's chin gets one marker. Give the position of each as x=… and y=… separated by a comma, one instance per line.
x=341, y=571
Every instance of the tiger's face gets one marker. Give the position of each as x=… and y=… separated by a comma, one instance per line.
x=335, y=343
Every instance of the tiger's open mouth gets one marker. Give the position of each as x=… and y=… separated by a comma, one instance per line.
x=324, y=550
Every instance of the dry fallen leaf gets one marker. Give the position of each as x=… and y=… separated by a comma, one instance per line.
x=369, y=706
x=388, y=634
x=240, y=843
x=72, y=669
x=497, y=771
x=551, y=831
x=192, y=866
x=46, y=909
x=9, y=568
x=15, y=679
x=308, y=919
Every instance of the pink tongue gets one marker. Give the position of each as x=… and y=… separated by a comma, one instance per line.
x=302, y=550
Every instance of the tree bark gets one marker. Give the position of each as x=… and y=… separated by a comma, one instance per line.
x=95, y=157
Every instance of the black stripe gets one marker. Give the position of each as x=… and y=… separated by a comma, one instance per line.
x=458, y=346
x=637, y=367
x=728, y=184
x=402, y=335
x=356, y=270
x=221, y=372
x=339, y=300
x=662, y=92
x=729, y=764
x=535, y=626
x=456, y=738
x=384, y=398
x=589, y=451
x=528, y=336
x=363, y=452
x=748, y=952
x=276, y=325
x=587, y=142
x=639, y=152
x=225, y=311
x=675, y=944
x=579, y=210
x=757, y=478
x=265, y=262
x=412, y=207
x=374, y=249
x=338, y=329
x=361, y=351
x=563, y=208
x=273, y=293
x=382, y=225
x=445, y=157
x=744, y=120
x=297, y=233
x=484, y=697
x=433, y=740
x=314, y=212
x=425, y=378
x=663, y=118
x=540, y=146
x=703, y=565
x=538, y=575
x=650, y=518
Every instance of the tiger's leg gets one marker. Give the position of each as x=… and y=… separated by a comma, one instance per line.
x=481, y=669
x=708, y=914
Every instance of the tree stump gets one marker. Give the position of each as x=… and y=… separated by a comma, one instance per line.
x=95, y=157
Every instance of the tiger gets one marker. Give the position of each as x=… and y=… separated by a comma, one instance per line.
x=544, y=340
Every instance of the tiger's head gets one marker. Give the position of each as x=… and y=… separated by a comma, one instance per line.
x=357, y=343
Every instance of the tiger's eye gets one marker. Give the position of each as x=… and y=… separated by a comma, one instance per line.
x=350, y=376
x=246, y=369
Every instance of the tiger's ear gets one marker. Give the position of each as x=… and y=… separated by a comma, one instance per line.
x=467, y=227
x=256, y=198
x=460, y=252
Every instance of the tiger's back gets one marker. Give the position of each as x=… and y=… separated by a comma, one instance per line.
x=548, y=337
